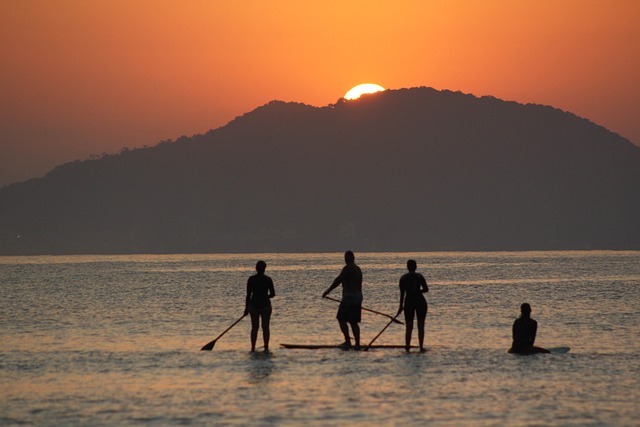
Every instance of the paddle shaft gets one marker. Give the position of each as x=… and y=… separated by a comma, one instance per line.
x=393, y=319
x=383, y=329
x=210, y=345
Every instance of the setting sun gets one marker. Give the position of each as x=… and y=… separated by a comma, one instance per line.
x=357, y=91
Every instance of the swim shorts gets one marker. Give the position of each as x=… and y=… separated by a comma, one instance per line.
x=350, y=307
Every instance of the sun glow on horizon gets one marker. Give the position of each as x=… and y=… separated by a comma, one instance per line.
x=357, y=91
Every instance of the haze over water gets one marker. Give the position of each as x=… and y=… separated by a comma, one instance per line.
x=115, y=340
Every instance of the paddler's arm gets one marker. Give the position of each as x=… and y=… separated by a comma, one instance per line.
x=246, y=301
x=401, y=300
x=534, y=330
x=272, y=290
x=334, y=285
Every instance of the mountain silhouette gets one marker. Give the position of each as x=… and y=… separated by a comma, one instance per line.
x=399, y=170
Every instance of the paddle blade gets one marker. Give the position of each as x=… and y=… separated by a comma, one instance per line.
x=209, y=346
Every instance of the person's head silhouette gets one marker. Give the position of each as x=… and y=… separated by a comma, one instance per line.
x=525, y=309
x=261, y=266
x=349, y=257
x=412, y=265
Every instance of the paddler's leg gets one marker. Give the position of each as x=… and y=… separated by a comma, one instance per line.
x=409, y=313
x=421, y=333
x=356, y=333
x=344, y=327
x=266, y=331
x=255, y=324
x=421, y=313
x=407, y=334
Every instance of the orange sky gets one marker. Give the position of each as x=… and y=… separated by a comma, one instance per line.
x=82, y=77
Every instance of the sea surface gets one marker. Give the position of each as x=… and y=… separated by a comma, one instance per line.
x=115, y=340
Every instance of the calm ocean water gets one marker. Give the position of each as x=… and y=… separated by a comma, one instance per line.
x=115, y=340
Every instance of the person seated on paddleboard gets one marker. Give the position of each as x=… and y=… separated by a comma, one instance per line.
x=412, y=286
x=260, y=290
x=524, y=333
x=349, y=311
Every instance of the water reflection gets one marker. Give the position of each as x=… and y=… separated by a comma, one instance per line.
x=260, y=367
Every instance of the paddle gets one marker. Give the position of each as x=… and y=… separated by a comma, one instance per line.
x=393, y=319
x=383, y=329
x=212, y=343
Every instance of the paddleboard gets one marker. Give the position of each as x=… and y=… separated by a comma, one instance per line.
x=559, y=350
x=552, y=350
x=321, y=346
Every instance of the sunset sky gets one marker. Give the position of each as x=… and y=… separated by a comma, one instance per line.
x=83, y=77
